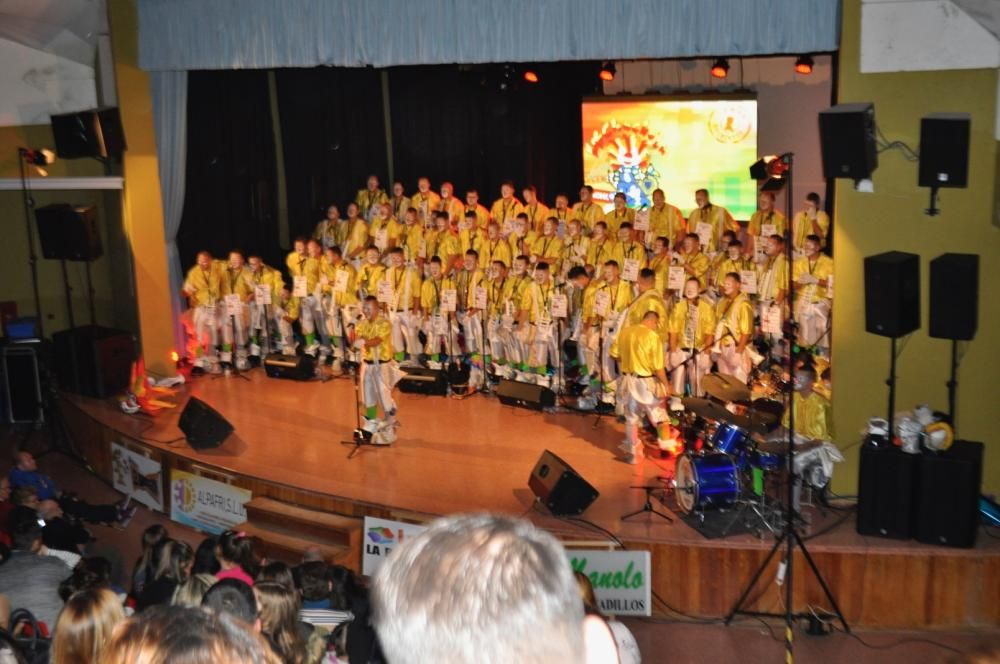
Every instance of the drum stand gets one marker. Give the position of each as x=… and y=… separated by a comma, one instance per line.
x=648, y=506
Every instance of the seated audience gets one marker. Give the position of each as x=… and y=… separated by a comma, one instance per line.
x=205, y=561
x=174, y=570
x=6, y=508
x=30, y=579
x=61, y=532
x=278, y=572
x=628, y=649
x=88, y=574
x=279, y=621
x=236, y=557
x=485, y=589
x=233, y=597
x=316, y=587
x=192, y=591
x=85, y=625
x=183, y=634
x=145, y=566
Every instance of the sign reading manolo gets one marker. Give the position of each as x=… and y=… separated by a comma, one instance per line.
x=620, y=579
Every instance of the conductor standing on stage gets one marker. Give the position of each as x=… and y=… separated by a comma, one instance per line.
x=379, y=374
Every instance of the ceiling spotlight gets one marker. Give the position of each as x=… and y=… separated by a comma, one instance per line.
x=804, y=65
x=38, y=158
x=720, y=68
x=608, y=71
x=530, y=76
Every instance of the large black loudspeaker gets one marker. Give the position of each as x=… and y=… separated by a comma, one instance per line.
x=954, y=310
x=948, y=502
x=944, y=150
x=886, y=492
x=22, y=386
x=69, y=232
x=94, y=361
x=96, y=133
x=892, y=293
x=525, y=395
x=203, y=426
x=559, y=487
x=847, y=139
x=293, y=367
x=418, y=380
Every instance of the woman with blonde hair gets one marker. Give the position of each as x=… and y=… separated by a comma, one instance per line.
x=84, y=626
x=279, y=607
x=191, y=592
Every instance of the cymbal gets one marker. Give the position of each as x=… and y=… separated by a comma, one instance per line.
x=725, y=387
x=781, y=446
x=717, y=412
x=765, y=411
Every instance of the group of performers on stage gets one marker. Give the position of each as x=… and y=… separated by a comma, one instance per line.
x=626, y=307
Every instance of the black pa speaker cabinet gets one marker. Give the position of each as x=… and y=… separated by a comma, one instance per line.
x=94, y=361
x=886, y=492
x=22, y=386
x=954, y=310
x=69, y=232
x=559, y=487
x=293, y=367
x=847, y=139
x=417, y=380
x=203, y=426
x=95, y=133
x=944, y=150
x=892, y=293
x=948, y=502
x=525, y=395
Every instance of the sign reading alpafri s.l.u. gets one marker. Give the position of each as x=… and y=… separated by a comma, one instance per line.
x=620, y=579
x=380, y=538
x=206, y=504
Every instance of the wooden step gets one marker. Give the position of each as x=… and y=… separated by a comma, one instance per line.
x=288, y=547
x=321, y=526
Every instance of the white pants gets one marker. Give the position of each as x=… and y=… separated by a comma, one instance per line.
x=472, y=333
x=596, y=350
x=335, y=321
x=637, y=400
x=733, y=363
x=813, y=318
x=206, y=330
x=405, y=332
x=283, y=340
x=241, y=321
x=543, y=345
x=500, y=336
x=377, y=381
x=437, y=329
x=687, y=369
x=314, y=321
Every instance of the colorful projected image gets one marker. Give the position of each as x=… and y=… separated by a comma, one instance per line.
x=640, y=145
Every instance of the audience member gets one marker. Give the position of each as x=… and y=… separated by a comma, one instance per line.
x=145, y=566
x=9, y=652
x=30, y=579
x=173, y=570
x=88, y=574
x=6, y=507
x=85, y=625
x=484, y=589
x=236, y=557
x=277, y=572
x=205, y=561
x=279, y=612
x=61, y=532
x=192, y=591
x=235, y=598
x=316, y=587
x=312, y=554
x=628, y=649
x=167, y=634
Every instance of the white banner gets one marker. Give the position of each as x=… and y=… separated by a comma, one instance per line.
x=206, y=504
x=137, y=476
x=621, y=579
x=381, y=537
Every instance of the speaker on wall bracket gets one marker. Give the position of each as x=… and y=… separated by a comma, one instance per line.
x=847, y=141
x=944, y=154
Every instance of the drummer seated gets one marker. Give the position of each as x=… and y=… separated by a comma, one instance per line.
x=813, y=416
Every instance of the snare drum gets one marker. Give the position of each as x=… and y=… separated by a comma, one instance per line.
x=704, y=481
x=730, y=439
x=768, y=461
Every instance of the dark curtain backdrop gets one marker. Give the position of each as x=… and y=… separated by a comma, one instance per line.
x=230, y=199
x=458, y=124
x=333, y=137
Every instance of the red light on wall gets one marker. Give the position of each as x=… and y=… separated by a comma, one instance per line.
x=720, y=68
x=530, y=76
x=607, y=71
x=804, y=65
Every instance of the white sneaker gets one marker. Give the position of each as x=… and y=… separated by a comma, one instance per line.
x=631, y=459
x=242, y=364
x=371, y=426
x=544, y=381
x=254, y=350
x=312, y=348
x=431, y=364
x=214, y=368
x=337, y=368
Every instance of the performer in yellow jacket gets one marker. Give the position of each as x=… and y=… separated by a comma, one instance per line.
x=379, y=374
x=338, y=284
x=237, y=290
x=367, y=198
x=692, y=327
x=715, y=218
x=203, y=288
x=403, y=308
x=506, y=208
x=263, y=336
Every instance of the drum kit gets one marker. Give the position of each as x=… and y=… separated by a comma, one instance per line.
x=728, y=463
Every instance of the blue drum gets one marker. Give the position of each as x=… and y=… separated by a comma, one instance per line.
x=704, y=481
x=730, y=439
x=768, y=461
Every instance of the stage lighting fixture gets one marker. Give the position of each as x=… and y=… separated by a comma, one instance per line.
x=608, y=71
x=38, y=158
x=804, y=65
x=772, y=170
x=530, y=76
x=720, y=68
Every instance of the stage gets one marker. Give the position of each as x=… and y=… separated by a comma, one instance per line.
x=477, y=454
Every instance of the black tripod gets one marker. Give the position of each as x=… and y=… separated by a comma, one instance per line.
x=789, y=537
x=648, y=505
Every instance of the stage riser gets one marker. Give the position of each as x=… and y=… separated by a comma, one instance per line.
x=908, y=589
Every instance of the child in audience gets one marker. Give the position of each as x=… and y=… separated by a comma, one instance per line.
x=236, y=557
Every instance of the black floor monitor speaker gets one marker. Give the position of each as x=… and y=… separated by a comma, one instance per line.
x=203, y=426
x=22, y=386
x=944, y=150
x=293, y=367
x=847, y=139
x=69, y=232
x=418, y=380
x=892, y=293
x=559, y=487
x=94, y=361
x=886, y=492
x=954, y=310
x=95, y=133
x=525, y=395
x=948, y=501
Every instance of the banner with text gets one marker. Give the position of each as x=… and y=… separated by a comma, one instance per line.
x=620, y=579
x=381, y=537
x=137, y=476
x=206, y=504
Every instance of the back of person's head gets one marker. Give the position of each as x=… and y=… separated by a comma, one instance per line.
x=85, y=625
x=278, y=572
x=89, y=574
x=176, y=558
x=586, y=589
x=25, y=533
x=237, y=548
x=234, y=597
x=205, y=561
x=192, y=591
x=167, y=634
x=314, y=581
x=345, y=588
x=279, y=607
x=479, y=588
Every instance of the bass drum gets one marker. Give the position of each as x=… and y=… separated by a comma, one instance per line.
x=705, y=481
